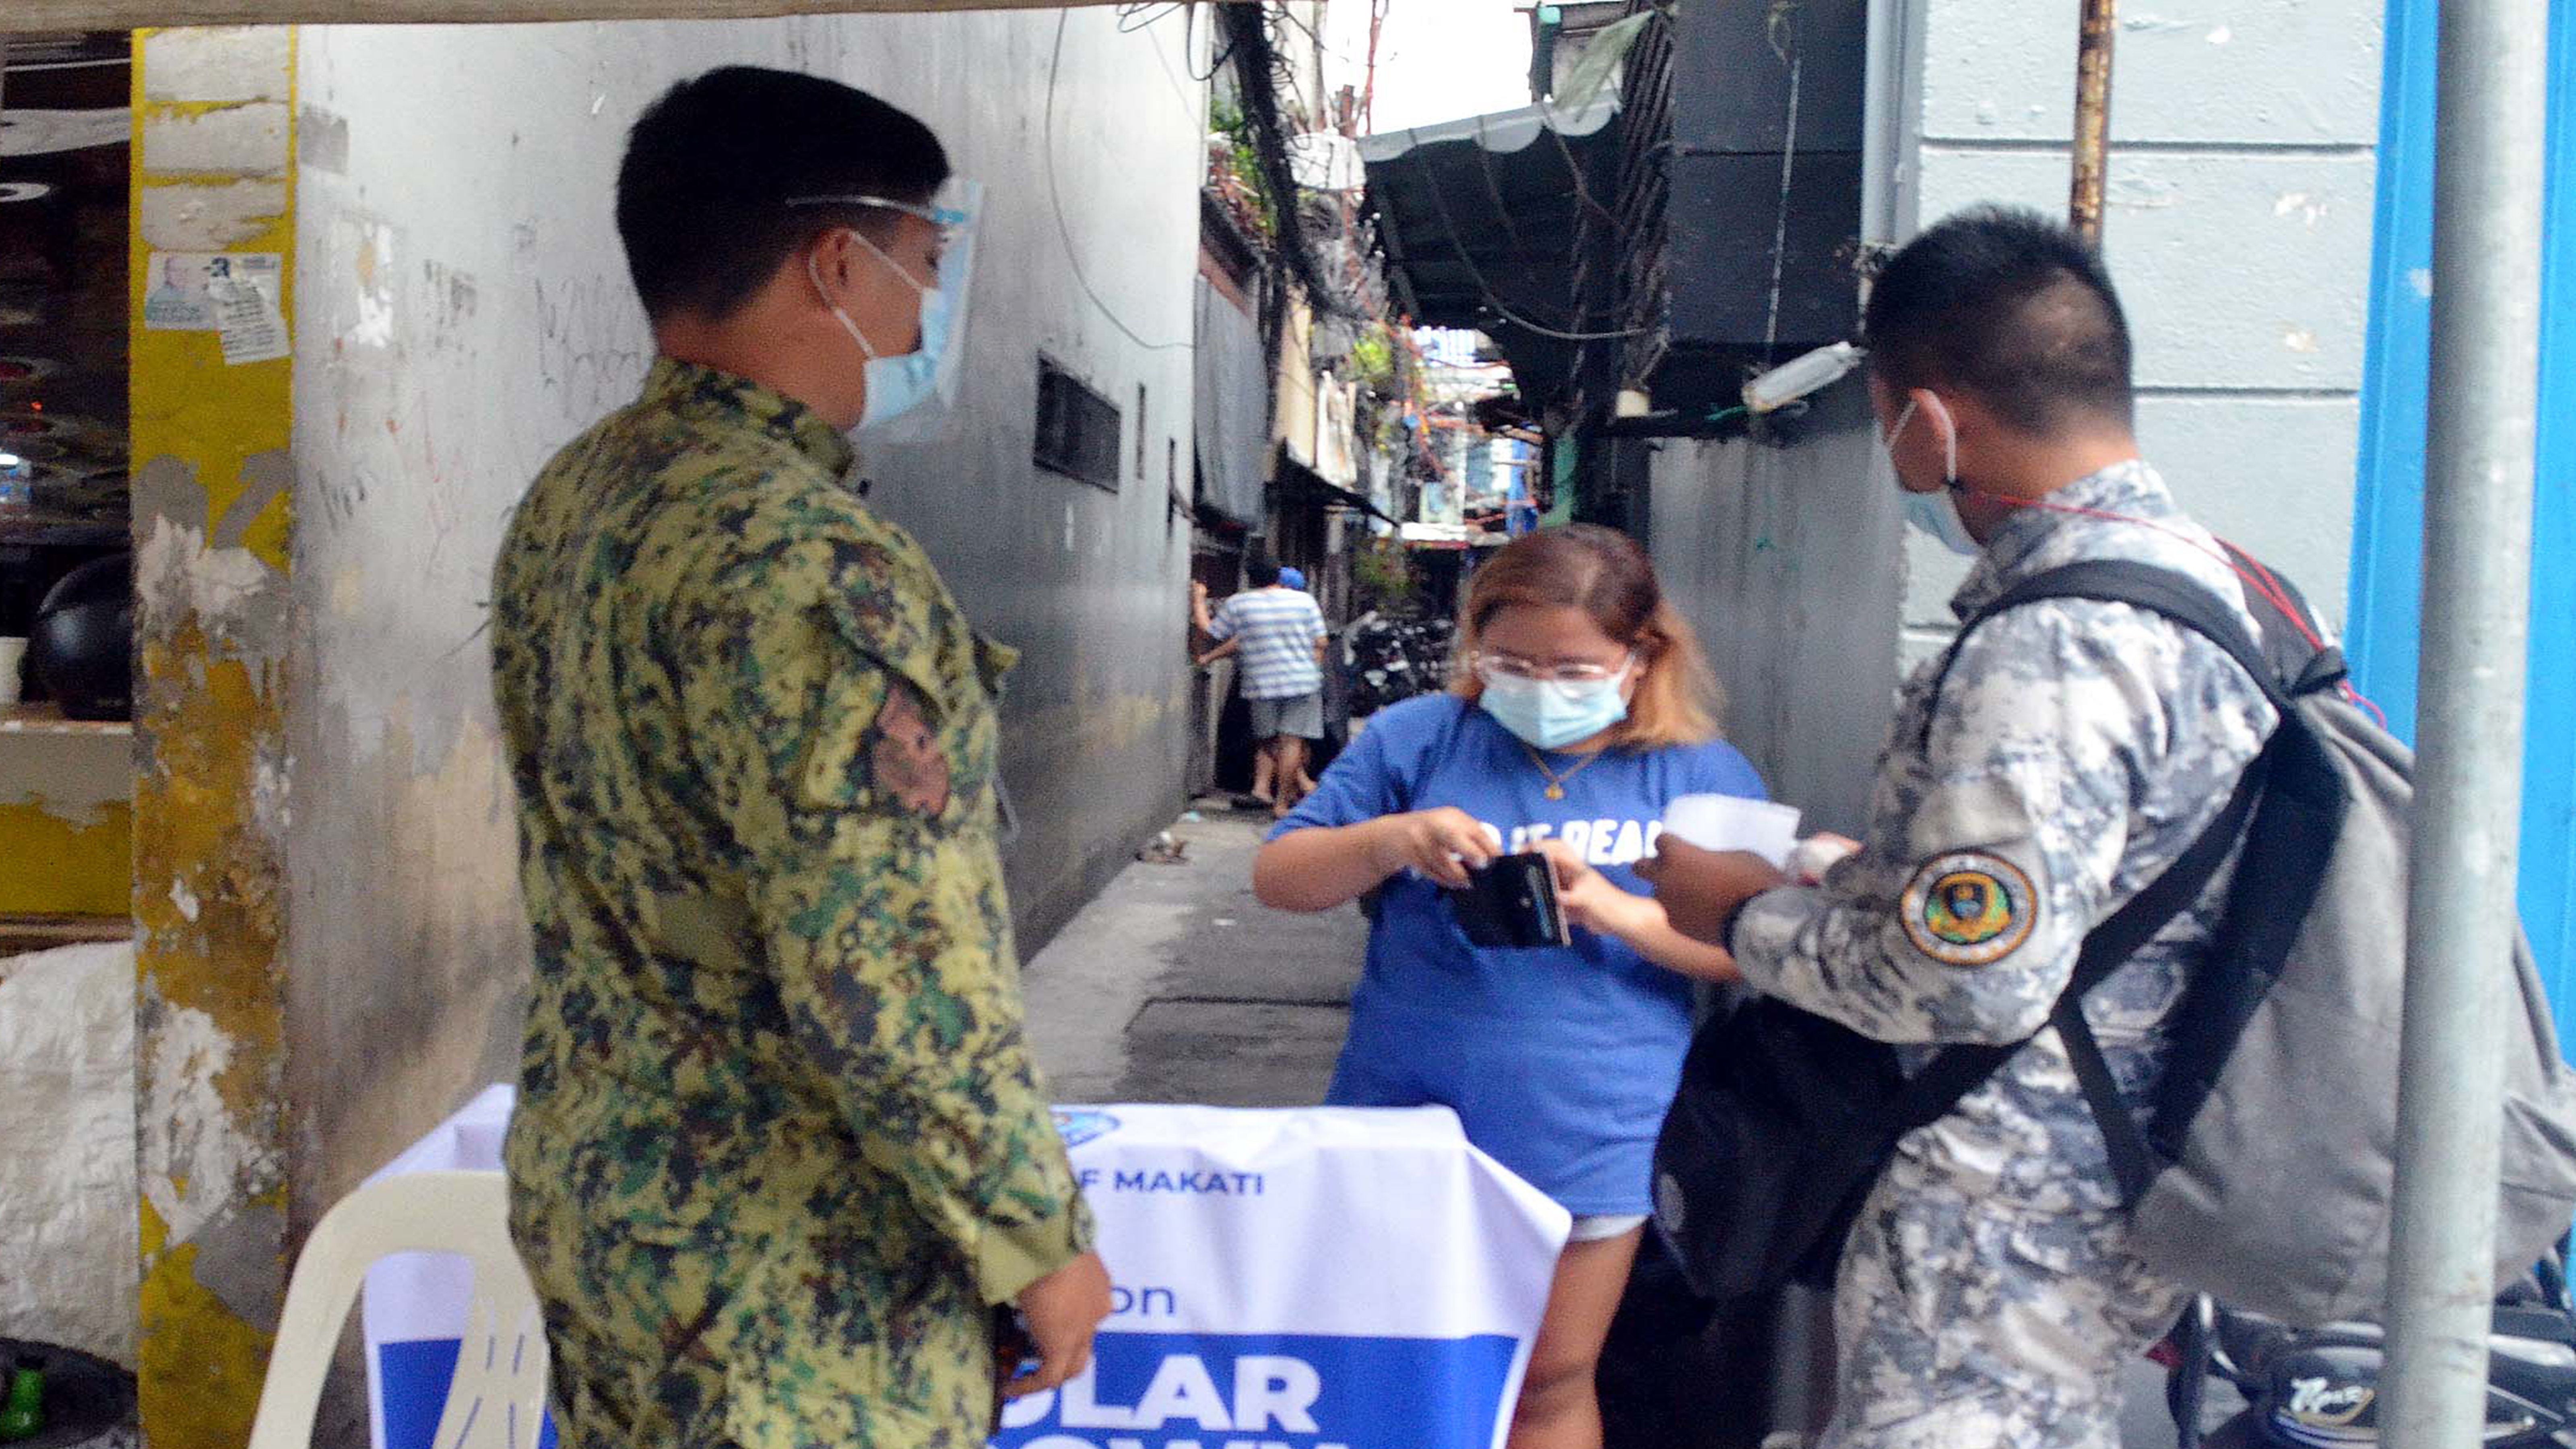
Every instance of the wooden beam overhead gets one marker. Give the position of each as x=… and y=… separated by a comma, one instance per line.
x=53, y=15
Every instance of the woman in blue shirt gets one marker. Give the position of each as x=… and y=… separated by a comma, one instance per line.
x=1585, y=706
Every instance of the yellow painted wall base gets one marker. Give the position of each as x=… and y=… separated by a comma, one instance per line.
x=51, y=867
x=211, y=520
x=190, y=1337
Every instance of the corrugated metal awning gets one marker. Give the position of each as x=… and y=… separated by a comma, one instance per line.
x=34, y=15
x=1481, y=219
x=1297, y=481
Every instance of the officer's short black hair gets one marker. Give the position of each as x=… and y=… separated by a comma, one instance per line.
x=710, y=167
x=1261, y=570
x=2012, y=307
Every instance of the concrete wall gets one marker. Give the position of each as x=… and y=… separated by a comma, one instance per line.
x=463, y=310
x=2239, y=230
x=1786, y=560
x=2238, y=226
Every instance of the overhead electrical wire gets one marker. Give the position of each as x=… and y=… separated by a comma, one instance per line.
x=1064, y=229
x=1255, y=69
x=1284, y=74
x=1217, y=62
x=1574, y=169
x=1288, y=13
x=1154, y=14
x=1494, y=188
x=1493, y=300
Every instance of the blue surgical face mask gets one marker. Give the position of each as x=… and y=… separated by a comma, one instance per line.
x=896, y=385
x=914, y=398
x=1550, y=713
x=1935, y=513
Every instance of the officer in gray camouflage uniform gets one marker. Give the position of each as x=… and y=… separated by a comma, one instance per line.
x=1987, y=1295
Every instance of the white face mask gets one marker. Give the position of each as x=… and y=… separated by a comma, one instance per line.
x=1935, y=513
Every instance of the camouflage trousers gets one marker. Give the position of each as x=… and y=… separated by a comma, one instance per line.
x=662, y=1341
x=1972, y=1320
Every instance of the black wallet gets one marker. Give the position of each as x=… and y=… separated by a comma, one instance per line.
x=1512, y=904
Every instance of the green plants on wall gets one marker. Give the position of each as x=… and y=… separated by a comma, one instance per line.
x=1382, y=575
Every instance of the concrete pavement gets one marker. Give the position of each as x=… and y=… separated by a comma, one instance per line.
x=1177, y=986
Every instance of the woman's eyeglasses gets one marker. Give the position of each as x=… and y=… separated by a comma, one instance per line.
x=1490, y=666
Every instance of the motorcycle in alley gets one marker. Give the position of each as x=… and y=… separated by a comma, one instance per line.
x=2318, y=1388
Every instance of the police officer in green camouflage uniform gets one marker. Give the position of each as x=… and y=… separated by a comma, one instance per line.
x=779, y=1148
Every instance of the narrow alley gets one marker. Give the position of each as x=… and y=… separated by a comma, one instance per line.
x=1177, y=986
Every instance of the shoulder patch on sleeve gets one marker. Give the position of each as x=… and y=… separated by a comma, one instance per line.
x=1969, y=908
x=904, y=755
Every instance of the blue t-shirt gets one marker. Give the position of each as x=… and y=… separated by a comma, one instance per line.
x=1560, y=1061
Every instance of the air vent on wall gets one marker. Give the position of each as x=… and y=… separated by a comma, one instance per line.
x=1077, y=428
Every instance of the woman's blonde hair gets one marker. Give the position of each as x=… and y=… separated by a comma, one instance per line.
x=1608, y=576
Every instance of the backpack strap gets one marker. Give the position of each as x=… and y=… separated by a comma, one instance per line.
x=1930, y=1094
x=2109, y=947
x=1956, y=1071
x=2292, y=638
x=2177, y=597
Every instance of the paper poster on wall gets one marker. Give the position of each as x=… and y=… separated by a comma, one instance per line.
x=179, y=288
x=25, y=132
x=249, y=324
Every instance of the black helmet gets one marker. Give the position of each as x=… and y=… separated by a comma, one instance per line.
x=82, y=648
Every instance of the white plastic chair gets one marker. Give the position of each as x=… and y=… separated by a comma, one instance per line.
x=498, y=1398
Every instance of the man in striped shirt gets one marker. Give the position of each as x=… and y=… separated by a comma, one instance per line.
x=1280, y=635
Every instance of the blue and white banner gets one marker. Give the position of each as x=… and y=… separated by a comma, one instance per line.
x=1285, y=1279
x=1300, y=1279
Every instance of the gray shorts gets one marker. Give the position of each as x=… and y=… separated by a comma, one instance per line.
x=1300, y=715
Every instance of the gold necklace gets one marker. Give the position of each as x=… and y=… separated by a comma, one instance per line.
x=1555, y=781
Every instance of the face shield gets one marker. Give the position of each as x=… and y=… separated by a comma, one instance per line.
x=914, y=398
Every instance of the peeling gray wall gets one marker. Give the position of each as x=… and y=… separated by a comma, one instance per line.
x=462, y=310
x=1785, y=557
